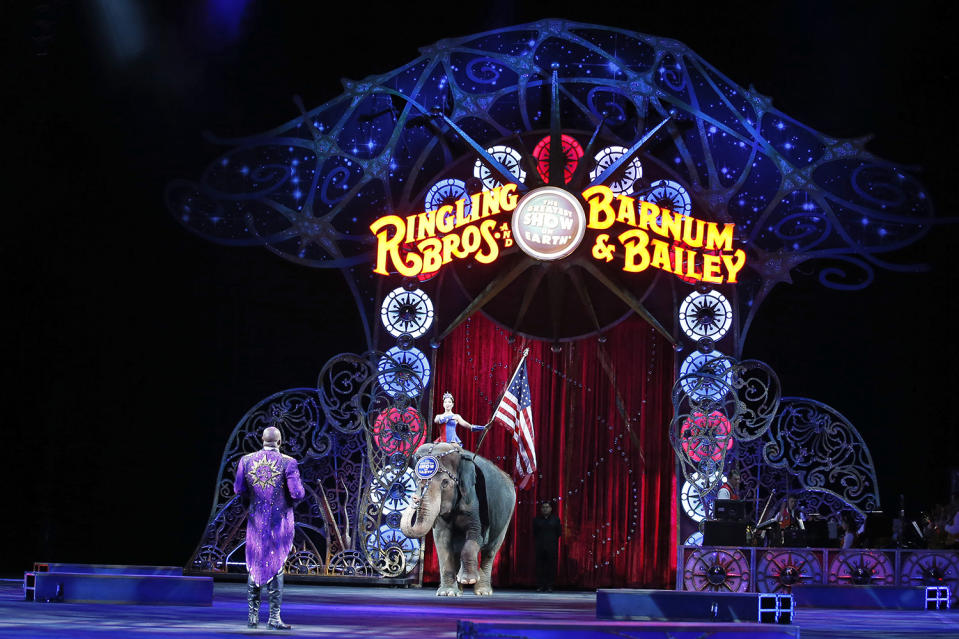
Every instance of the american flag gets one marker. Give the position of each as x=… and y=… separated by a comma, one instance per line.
x=515, y=413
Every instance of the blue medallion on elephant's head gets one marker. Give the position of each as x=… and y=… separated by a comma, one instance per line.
x=427, y=467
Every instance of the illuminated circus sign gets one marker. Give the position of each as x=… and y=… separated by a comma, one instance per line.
x=549, y=223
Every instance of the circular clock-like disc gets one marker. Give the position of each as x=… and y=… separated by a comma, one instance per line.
x=447, y=192
x=622, y=181
x=572, y=153
x=706, y=315
x=693, y=504
x=667, y=194
x=508, y=157
x=404, y=371
x=408, y=312
x=712, y=364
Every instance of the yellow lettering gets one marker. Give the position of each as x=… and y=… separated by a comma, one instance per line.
x=471, y=239
x=388, y=247
x=734, y=263
x=694, y=241
x=600, y=204
x=716, y=239
x=648, y=212
x=635, y=241
x=711, y=272
x=491, y=202
x=660, y=255
x=410, y=227
x=672, y=224
x=445, y=219
x=691, y=266
x=486, y=229
x=508, y=197
x=461, y=218
x=677, y=259
x=431, y=249
x=451, y=248
x=627, y=212
x=425, y=225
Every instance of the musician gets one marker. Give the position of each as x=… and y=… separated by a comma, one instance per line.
x=790, y=517
x=952, y=530
x=850, y=533
x=730, y=489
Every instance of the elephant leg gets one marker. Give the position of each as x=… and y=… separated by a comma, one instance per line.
x=469, y=563
x=447, y=560
x=484, y=586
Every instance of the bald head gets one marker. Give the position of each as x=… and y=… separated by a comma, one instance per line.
x=271, y=436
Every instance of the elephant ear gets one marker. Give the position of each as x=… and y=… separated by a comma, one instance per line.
x=472, y=487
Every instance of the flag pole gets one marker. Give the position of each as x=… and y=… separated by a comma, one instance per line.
x=495, y=406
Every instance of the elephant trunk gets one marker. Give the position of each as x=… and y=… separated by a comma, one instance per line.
x=418, y=519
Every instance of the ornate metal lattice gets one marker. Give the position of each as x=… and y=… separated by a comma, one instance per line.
x=779, y=445
x=352, y=468
x=716, y=570
x=700, y=429
x=308, y=189
x=823, y=451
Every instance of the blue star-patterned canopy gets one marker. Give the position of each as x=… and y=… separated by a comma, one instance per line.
x=396, y=143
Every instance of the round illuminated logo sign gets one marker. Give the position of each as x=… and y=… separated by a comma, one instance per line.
x=549, y=223
x=427, y=467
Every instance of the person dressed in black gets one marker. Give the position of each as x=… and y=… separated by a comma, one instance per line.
x=546, y=534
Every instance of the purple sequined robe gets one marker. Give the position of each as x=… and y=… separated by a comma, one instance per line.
x=272, y=482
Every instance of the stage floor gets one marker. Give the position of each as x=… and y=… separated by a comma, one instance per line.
x=325, y=611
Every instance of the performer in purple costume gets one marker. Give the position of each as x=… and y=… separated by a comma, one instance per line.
x=452, y=420
x=271, y=483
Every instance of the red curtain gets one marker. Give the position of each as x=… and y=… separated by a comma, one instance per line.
x=601, y=413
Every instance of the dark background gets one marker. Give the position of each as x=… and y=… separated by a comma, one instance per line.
x=131, y=348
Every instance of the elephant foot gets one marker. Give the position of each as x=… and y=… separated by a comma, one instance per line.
x=467, y=576
x=483, y=590
x=448, y=591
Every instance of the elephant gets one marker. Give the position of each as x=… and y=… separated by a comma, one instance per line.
x=468, y=502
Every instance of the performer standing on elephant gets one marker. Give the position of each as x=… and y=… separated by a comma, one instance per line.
x=270, y=481
x=546, y=533
x=452, y=420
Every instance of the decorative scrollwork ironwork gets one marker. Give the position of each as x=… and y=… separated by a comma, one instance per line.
x=391, y=552
x=700, y=431
x=823, y=451
x=339, y=381
x=758, y=392
x=309, y=188
x=330, y=431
